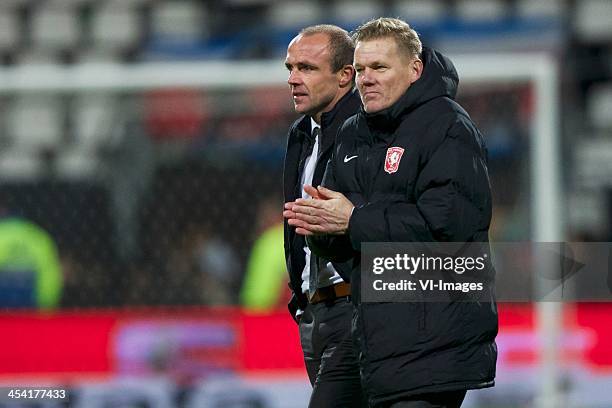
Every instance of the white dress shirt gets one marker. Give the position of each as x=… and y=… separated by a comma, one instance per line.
x=328, y=275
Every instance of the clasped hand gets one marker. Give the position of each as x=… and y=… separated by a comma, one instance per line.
x=327, y=212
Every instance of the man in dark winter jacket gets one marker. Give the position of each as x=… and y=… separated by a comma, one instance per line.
x=321, y=78
x=410, y=167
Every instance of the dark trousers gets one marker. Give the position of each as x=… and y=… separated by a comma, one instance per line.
x=331, y=360
x=452, y=399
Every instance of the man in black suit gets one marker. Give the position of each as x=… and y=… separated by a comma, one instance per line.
x=321, y=79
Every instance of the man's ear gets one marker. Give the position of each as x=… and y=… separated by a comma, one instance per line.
x=417, y=69
x=346, y=75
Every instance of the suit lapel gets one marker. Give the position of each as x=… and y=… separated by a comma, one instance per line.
x=325, y=148
x=291, y=169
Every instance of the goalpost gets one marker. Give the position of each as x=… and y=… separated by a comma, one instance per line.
x=545, y=176
x=540, y=70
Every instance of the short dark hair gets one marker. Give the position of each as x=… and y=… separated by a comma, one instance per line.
x=405, y=37
x=341, y=45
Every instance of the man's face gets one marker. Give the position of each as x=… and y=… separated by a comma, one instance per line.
x=383, y=73
x=313, y=84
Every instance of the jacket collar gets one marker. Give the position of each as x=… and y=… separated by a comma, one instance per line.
x=331, y=121
x=346, y=103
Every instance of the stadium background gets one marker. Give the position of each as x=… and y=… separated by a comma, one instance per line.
x=149, y=201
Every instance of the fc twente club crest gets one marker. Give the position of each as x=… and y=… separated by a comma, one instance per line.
x=392, y=161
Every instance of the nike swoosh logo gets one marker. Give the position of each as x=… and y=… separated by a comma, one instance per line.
x=348, y=159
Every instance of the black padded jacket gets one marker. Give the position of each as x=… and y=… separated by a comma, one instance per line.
x=437, y=191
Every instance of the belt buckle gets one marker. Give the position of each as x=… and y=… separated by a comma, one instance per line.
x=320, y=295
x=328, y=293
x=315, y=297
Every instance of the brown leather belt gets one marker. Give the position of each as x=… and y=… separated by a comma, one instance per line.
x=332, y=292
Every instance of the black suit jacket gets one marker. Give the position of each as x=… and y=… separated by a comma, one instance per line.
x=292, y=174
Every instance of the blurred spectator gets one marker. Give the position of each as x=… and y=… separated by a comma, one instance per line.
x=201, y=269
x=90, y=283
x=265, y=282
x=30, y=272
x=217, y=264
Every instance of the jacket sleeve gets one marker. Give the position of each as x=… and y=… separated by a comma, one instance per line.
x=293, y=307
x=292, y=154
x=453, y=197
x=335, y=248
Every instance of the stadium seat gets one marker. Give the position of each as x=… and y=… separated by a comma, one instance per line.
x=349, y=13
x=9, y=30
x=178, y=21
x=599, y=106
x=92, y=119
x=540, y=9
x=593, y=164
x=428, y=11
x=115, y=27
x=75, y=164
x=481, y=10
x=16, y=165
x=592, y=20
x=585, y=209
x=54, y=28
x=294, y=14
x=35, y=123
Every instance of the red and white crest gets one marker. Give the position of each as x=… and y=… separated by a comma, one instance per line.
x=392, y=161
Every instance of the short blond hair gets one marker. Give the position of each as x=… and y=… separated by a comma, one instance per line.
x=405, y=37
